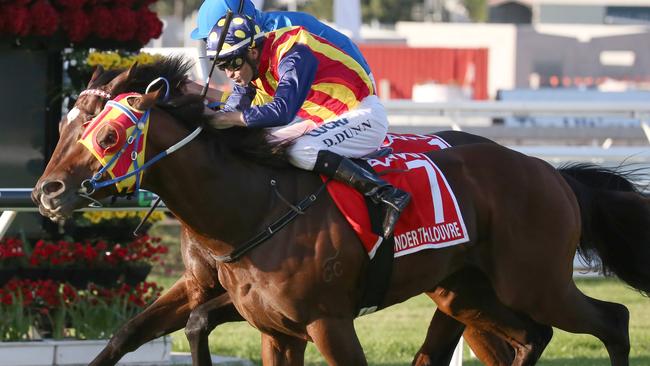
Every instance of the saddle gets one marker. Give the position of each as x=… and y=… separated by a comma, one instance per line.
x=432, y=220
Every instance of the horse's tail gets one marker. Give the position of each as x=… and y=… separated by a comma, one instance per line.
x=615, y=222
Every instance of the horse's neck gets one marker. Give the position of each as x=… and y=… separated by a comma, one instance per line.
x=210, y=196
x=221, y=197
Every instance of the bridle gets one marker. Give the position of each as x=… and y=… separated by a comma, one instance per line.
x=97, y=92
x=140, y=125
x=89, y=186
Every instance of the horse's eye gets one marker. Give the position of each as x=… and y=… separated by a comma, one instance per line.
x=110, y=138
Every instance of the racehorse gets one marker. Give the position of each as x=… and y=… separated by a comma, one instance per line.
x=443, y=332
x=61, y=188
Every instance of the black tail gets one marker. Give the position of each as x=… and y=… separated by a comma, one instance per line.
x=615, y=222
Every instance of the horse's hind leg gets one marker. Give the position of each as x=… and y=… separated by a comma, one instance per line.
x=203, y=320
x=527, y=338
x=488, y=348
x=575, y=312
x=540, y=285
x=442, y=337
x=468, y=297
x=444, y=334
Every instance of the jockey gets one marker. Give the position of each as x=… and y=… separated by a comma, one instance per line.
x=320, y=98
x=211, y=10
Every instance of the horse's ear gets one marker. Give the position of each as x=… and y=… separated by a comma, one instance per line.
x=98, y=71
x=148, y=100
x=132, y=69
x=120, y=80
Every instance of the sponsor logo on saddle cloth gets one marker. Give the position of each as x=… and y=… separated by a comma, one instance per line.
x=432, y=219
x=124, y=122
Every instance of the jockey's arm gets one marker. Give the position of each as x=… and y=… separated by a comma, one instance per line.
x=297, y=70
x=221, y=119
x=241, y=98
x=230, y=115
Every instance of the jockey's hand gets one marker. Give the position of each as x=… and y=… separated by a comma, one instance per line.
x=221, y=120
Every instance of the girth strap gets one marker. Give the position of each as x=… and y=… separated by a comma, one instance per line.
x=380, y=268
x=276, y=226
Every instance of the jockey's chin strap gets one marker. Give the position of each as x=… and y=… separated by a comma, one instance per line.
x=90, y=186
x=276, y=226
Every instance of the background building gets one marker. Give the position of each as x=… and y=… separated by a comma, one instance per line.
x=570, y=11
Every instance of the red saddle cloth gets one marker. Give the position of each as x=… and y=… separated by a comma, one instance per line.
x=432, y=219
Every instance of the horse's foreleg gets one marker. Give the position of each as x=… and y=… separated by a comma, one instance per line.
x=337, y=341
x=203, y=320
x=279, y=350
x=167, y=314
x=282, y=350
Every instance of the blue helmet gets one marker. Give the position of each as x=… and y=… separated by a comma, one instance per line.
x=242, y=35
x=212, y=10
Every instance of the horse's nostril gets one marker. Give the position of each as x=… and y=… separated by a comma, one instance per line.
x=53, y=186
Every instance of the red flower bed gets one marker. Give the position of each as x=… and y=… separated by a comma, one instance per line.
x=41, y=293
x=44, y=17
x=10, y=249
x=123, y=21
x=59, y=309
x=107, y=264
x=77, y=288
x=145, y=250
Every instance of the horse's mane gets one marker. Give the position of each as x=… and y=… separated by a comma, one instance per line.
x=251, y=144
x=172, y=68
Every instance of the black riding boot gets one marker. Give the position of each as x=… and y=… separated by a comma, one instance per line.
x=345, y=170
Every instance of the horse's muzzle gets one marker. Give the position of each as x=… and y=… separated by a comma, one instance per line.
x=52, y=199
x=52, y=187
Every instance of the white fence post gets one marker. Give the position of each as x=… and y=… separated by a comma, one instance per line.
x=646, y=130
x=457, y=358
x=6, y=219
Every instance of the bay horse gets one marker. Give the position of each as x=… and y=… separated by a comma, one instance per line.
x=148, y=173
x=443, y=332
